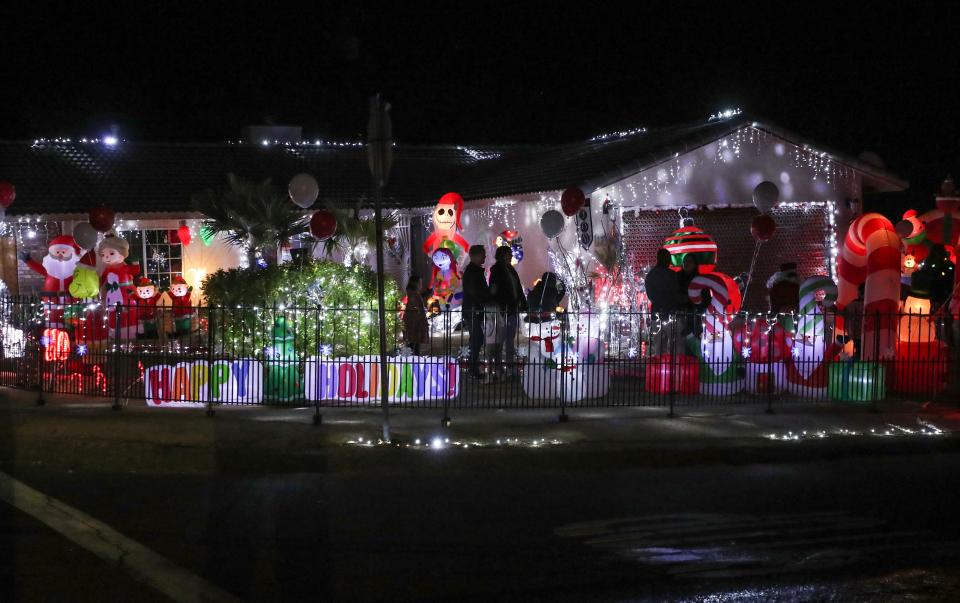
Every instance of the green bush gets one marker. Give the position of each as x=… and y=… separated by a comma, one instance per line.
x=325, y=304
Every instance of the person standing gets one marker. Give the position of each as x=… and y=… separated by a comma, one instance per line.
x=476, y=293
x=507, y=291
x=414, y=316
x=662, y=287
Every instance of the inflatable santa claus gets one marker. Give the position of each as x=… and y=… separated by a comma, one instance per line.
x=63, y=255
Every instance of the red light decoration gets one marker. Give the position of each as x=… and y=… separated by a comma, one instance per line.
x=572, y=200
x=7, y=194
x=323, y=224
x=763, y=227
x=58, y=345
x=101, y=218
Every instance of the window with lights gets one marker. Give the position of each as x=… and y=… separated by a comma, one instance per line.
x=159, y=253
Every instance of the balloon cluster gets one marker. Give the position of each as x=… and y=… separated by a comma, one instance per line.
x=766, y=195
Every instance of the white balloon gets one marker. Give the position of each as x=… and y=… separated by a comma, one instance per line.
x=303, y=190
x=552, y=223
x=765, y=196
x=85, y=235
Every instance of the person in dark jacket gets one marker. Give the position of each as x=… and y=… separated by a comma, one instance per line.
x=476, y=293
x=545, y=297
x=507, y=292
x=661, y=285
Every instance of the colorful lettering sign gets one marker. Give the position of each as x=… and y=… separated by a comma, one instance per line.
x=357, y=379
x=196, y=383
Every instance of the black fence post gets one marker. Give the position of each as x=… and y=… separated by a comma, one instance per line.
x=41, y=358
x=672, y=383
x=564, y=350
x=770, y=376
x=874, y=386
x=445, y=421
x=210, y=326
x=116, y=358
x=317, y=417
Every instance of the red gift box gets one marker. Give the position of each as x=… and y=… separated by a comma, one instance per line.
x=664, y=373
x=920, y=367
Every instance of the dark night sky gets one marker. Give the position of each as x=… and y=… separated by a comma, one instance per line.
x=855, y=78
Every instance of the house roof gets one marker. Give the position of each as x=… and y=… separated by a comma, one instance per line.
x=68, y=177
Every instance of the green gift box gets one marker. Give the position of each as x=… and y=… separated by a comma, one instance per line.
x=857, y=381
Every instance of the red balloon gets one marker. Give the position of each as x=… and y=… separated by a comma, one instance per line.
x=323, y=224
x=183, y=233
x=763, y=227
x=101, y=218
x=7, y=194
x=572, y=200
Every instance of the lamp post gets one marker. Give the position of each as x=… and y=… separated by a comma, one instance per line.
x=380, y=158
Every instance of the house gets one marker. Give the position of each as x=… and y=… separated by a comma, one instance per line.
x=640, y=184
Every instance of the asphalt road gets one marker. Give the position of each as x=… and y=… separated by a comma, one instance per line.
x=387, y=525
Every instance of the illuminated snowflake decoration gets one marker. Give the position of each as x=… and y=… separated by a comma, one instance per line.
x=326, y=349
x=81, y=350
x=745, y=351
x=158, y=257
x=632, y=352
x=44, y=341
x=796, y=351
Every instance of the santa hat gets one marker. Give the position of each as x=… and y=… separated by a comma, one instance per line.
x=144, y=282
x=65, y=240
x=177, y=280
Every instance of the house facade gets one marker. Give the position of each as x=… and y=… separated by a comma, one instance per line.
x=640, y=185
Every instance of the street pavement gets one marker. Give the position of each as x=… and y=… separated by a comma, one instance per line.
x=622, y=505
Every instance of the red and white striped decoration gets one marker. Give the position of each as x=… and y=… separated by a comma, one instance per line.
x=725, y=299
x=871, y=255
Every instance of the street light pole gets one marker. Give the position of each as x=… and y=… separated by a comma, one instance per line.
x=380, y=158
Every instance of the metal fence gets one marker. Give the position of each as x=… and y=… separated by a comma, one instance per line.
x=207, y=356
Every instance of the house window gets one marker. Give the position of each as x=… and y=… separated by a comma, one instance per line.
x=159, y=259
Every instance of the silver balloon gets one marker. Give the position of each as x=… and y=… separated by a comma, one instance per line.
x=85, y=235
x=766, y=195
x=303, y=190
x=552, y=223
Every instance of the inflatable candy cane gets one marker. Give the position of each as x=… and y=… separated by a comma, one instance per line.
x=871, y=255
x=718, y=371
x=725, y=300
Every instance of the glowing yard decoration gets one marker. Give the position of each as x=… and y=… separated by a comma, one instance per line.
x=692, y=240
x=356, y=378
x=58, y=346
x=915, y=323
x=193, y=383
x=447, y=227
x=871, y=256
x=13, y=341
x=856, y=381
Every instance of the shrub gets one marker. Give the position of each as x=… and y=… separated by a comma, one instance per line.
x=325, y=304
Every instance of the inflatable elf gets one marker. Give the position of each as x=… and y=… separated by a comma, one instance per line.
x=147, y=297
x=182, y=308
